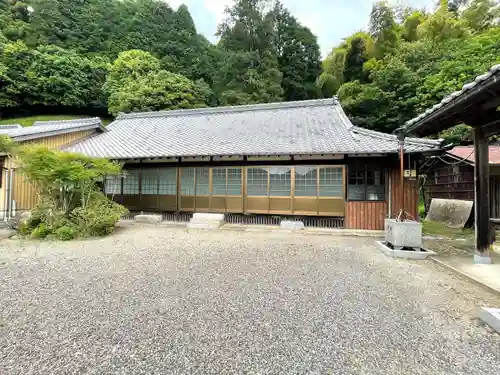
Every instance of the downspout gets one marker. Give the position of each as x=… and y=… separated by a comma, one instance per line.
x=402, y=213
x=6, y=194
x=389, y=214
x=10, y=192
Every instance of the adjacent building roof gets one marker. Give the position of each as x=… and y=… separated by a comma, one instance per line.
x=288, y=128
x=466, y=153
x=4, y=129
x=455, y=102
x=42, y=129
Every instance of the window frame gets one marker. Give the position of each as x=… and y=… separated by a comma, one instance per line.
x=365, y=169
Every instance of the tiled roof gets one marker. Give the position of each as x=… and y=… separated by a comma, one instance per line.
x=480, y=81
x=51, y=128
x=467, y=153
x=296, y=128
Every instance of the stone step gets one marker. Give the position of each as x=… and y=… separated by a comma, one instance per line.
x=148, y=219
x=208, y=216
x=200, y=221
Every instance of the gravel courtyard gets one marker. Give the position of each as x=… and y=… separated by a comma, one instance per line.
x=157, y=300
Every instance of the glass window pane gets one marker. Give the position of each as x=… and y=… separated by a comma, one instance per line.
x=366, y=184
x=356, y=192
x=375, y=190
x=257, y=181
x=149, y=183
x=375, y=193
x=280, y=181
x=113, y=185
x=131, y=181
x=234, y=181
x=187, y=181
x=330, y=182
x=306, y=181
x=167, y=181
x=202, y=181
x=219, y=181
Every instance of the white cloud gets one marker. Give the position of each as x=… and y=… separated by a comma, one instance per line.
x=217, y=7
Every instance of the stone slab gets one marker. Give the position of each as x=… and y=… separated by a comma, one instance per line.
x=148, y=219
x=207, y=216
x=454, y=213
x=479, y=259
x=291, y=225
x=490, y=316
x=417, y=255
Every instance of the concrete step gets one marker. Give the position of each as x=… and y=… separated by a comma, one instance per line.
x=207, y=216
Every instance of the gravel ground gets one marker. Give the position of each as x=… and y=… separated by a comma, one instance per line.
x=166, y=301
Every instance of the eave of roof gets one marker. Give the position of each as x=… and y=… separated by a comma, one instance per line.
x=43, y=129
x=313, y=127
x=455, y=100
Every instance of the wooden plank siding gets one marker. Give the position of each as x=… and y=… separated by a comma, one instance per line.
x=410, y=203
x=365, y=215
x=371, y=215
x=24, y=193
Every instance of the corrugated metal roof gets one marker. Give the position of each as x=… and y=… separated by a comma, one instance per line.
x=480, y=80
x=467, y=153
x=5, y=129
x=293, y=128
x=51, y=128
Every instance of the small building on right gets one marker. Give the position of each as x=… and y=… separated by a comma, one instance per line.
x=451, y=176
x=475, y=104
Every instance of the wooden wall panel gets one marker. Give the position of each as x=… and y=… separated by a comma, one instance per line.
x=410, y=203
x=60, y=140
x=365, y=215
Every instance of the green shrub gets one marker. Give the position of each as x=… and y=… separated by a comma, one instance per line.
x=99, y=217
x=24, y=229
x=65, y=233
x=41, y=231
x=37, y=217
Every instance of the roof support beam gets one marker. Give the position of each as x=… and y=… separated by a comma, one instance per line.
x=491, y=129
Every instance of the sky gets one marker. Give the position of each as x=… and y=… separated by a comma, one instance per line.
x=329, y=20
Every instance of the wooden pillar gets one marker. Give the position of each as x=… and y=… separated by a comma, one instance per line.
x=482, y=196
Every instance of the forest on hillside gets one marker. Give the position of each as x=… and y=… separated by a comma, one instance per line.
x=108, y=56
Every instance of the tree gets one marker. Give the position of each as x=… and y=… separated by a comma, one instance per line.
x=298, y=55
x=130, y=65
x=15, y=58
x=327, y=84
x=410, y=26
x=384, y=29
x=251, y=72
x=156, y=91
x=442, y=25
x=61, y=78
x=358, y=53
x=136, y=82
x=480, y=15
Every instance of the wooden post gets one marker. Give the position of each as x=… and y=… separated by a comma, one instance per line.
x=482, y=196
